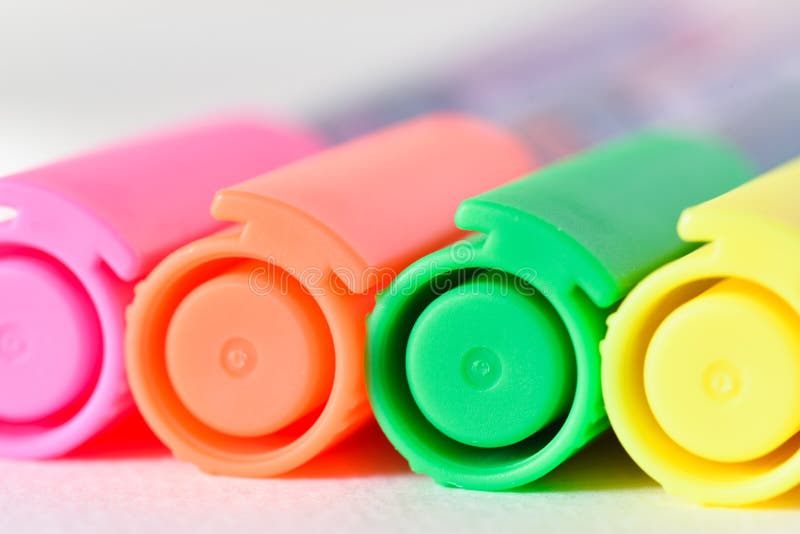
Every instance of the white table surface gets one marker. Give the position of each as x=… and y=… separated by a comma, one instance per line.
x=73, y=74
x=126, y=482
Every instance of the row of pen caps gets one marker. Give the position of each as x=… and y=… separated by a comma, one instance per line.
x=244, y=346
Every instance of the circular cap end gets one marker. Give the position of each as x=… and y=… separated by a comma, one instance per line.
x=246, y=352
x=49, y=339
x=488, y=365
x=722, y=374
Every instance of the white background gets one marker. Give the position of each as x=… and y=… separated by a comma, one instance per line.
x=76, y=73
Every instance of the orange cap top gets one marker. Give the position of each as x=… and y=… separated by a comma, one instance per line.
x=215, y=365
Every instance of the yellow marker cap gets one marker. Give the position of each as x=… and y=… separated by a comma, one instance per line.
x=701, y=363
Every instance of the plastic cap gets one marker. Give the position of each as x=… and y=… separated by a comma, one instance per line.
x=49, y=339
x=244, y=354
x=488, y=365
x=701, y=365
x=727, y=360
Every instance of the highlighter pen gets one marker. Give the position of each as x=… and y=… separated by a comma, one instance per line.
x=701, y=366
x=245, y=350
x=483, y=366
x=81, y=232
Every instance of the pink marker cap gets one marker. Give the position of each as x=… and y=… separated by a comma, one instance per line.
x=83, y=232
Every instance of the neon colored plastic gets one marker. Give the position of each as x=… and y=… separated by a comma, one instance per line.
x=483, y=362
x=245, y=349
x=701, y=369
x=82, y=232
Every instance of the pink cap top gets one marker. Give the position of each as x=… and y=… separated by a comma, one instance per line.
x=44, y=293
x=85, y=230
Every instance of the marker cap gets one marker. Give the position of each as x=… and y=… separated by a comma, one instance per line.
x=245, y=349
x=483, y=361
x=701, y=368
x=82, y=232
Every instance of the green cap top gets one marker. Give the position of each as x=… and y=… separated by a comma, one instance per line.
x=483, y=350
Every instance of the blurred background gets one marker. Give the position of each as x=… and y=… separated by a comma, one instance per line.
x=76, y=73
x=563, y=74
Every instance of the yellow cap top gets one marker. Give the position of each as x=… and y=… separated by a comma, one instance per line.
x=727, y=360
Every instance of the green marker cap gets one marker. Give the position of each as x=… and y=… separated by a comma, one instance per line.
x=483, y=361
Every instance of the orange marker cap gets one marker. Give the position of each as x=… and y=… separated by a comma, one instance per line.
x=245, y=349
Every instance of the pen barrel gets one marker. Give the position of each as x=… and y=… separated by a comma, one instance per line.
x=483, y=365
x=245, y=349
x=701, y=366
